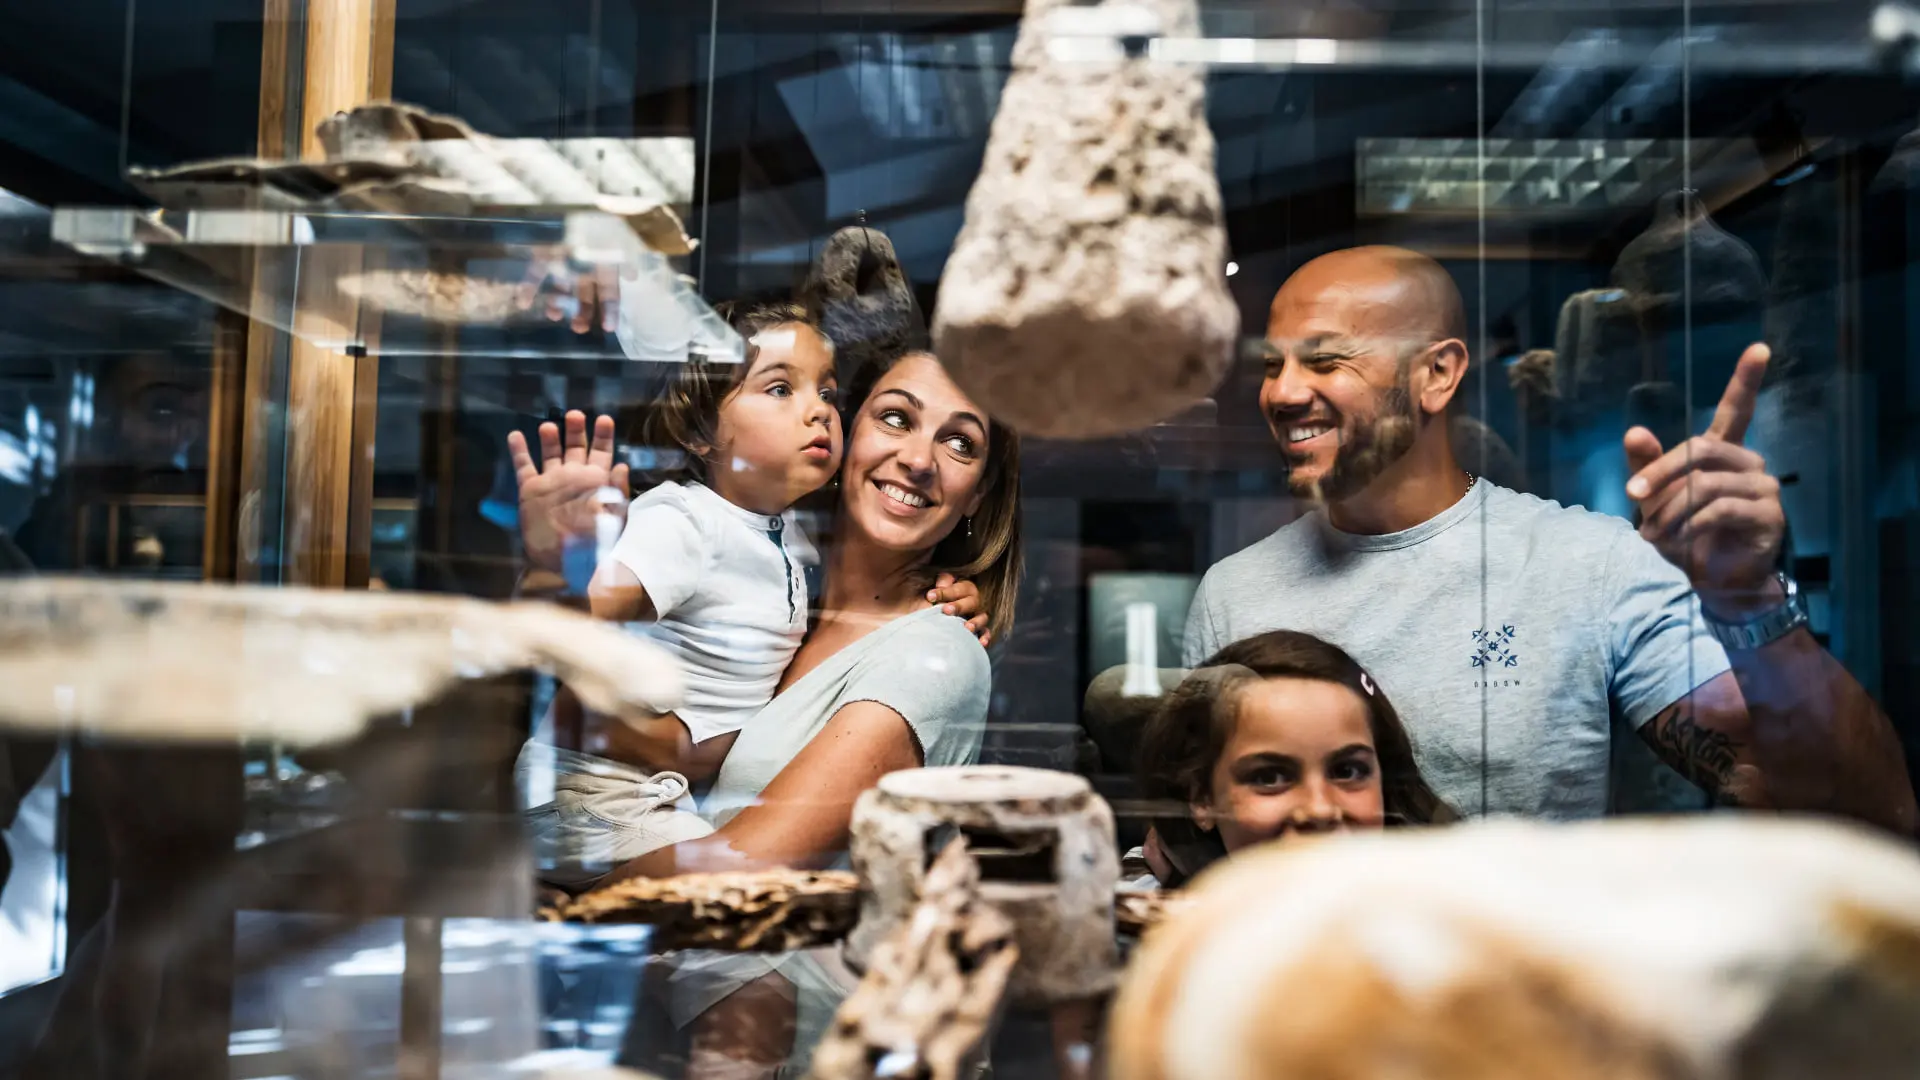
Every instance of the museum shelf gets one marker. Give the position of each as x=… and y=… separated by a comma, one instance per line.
x=398, y=284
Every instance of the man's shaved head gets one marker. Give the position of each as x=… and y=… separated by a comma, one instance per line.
x=1365, y=348
x=1385, y=291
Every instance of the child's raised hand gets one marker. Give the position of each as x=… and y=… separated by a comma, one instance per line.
x=557, y=502
x=962, y=599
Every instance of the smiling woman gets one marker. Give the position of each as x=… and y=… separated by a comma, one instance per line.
x=915, y=441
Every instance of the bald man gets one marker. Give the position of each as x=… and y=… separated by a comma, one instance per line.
x=1509, y=630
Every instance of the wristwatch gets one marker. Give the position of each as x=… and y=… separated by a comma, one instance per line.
x=1765, y=628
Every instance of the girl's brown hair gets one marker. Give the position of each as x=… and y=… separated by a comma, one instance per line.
x=685, y=413
x=985, y=549
x=1186, y=736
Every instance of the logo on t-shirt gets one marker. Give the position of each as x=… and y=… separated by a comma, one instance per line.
x=1493, y=651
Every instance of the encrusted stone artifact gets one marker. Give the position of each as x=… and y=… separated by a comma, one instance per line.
x=932, y=987
x=1086, y=295
x=177, y=661
x=1678, y=949
x=1045, y=844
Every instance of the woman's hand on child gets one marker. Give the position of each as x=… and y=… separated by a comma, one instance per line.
x=557, y=501
x=962, y=599
x=1156, y=856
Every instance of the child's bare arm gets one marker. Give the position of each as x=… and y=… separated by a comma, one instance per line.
x=615, y=594
x=653, y=743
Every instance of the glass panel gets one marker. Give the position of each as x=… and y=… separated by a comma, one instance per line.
x=1473, y=268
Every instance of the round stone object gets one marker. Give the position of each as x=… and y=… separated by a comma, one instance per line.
x=1045, y=845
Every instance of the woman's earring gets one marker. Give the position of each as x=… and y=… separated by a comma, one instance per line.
x=969, y=521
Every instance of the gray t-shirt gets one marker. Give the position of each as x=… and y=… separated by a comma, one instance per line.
x=925, y=666
x=1507, y=618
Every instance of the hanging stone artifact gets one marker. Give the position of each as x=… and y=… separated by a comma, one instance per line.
x=1086, y=294
x=1684, y=260
x=1684, y=949
x=864, y=302
x=1045, y=845
x=174, y=661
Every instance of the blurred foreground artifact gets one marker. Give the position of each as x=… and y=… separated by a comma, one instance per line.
x=146, y=660
x=1045, y=845
x=933, y=986
x=1086, y=294
x=1724, y=948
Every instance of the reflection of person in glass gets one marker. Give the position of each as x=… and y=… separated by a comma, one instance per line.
x=1277, y=736
x=1512, y=629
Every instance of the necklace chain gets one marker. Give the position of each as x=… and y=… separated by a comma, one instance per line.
x=1471, y=479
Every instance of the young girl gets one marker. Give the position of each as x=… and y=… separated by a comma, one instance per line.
x=715, y=568
x=1276, y=736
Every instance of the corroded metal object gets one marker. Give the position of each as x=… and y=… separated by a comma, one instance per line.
x=759, y=911
x=1045, y=844
x=772, y=910
x=175, y=661
x=932, y=988
x=1680, y=949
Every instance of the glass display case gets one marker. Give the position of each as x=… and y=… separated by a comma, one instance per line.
x=1161, y=326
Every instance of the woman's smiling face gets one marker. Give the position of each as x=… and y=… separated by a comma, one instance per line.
x=916, y=457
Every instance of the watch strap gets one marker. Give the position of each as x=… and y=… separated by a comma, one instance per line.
x=1765, y=628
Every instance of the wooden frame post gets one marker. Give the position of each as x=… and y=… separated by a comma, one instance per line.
x=318, y=57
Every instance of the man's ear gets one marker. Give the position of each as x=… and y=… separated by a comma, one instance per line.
x=1445, y=364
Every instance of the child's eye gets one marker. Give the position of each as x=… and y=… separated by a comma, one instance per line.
x=829, y=393
x=1269, y=778
x=780, y=390
x=1352, y=772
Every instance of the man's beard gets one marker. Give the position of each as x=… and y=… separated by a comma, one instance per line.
x=1366, y=449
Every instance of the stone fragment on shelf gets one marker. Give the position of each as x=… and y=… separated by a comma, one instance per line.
x=1679, y=949
x=1086, y=295
x=174, y=661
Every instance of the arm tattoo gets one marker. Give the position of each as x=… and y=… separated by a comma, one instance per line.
x=1701, y=754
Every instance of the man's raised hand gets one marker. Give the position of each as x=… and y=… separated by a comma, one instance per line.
x=1709, y=504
